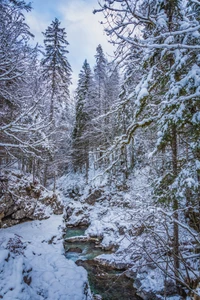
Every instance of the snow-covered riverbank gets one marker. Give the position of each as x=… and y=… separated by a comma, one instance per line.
x=139, y=233
x=33, y=265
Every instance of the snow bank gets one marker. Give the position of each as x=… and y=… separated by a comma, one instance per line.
x=129, y=223
x=33, y=265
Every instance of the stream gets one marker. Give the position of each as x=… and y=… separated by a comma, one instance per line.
x=108, y=282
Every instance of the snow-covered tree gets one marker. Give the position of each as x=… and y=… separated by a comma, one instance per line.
x=81, y=133
x=18, y=92
x=100, y=75
x=167, y=96
x=56, y=78
x=107, y=89
x=56, y=70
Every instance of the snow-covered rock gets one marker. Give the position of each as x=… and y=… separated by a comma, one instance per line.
x=129, y=223
x=151, y=284
x=22, y=200
x=33, y=265
x=93, y=196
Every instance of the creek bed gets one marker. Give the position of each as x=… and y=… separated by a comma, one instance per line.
x=107, y=281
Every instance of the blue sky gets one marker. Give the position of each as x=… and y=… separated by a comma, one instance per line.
x=84, y=32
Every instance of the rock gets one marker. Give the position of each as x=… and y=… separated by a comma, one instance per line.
x=75, y=249
x=82, y=238
x=120, y=266
x=54, y=203
x=23, y=200
x=27, y=279
x=7, y=206
x=80, y=222
x=39, y=213
x=68, y=212
x=111, y=247
x=8, y=223
x=20, y=214
x=1, y=215
x=79, y=212
x=148, y=295
x=131, y=274
x=97, y=297
x=77, y=216
x=147, y=278
x=12, y=209
x=95, y=195
x=122, y=187
x=122, y=229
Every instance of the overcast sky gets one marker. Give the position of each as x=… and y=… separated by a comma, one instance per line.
x=84, y=32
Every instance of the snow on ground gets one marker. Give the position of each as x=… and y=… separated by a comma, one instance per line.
x=33, y=265
x=129, y=223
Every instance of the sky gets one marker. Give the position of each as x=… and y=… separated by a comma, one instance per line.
x=83, y=28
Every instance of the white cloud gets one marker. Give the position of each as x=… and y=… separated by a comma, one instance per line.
x=84, y=32
x=37, y=26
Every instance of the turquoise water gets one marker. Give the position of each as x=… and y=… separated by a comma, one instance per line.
x=74, y=231
x=110, y=283
x=89, y=250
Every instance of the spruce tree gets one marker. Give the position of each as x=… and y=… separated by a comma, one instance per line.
x=81, y=133
x=166, y=99
x=100, y=75
x=56, y=77
x=56, y=69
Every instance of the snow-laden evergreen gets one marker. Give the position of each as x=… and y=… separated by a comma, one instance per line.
x=123, y=153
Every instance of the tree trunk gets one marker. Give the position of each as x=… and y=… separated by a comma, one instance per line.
x=34, y=169
x=175, y=208
x=54, y=181
x=45, y=174
x=87, y=165
x=132, y=160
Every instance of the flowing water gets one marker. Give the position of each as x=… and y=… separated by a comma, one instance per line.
x=80, y=250
x=107, y=281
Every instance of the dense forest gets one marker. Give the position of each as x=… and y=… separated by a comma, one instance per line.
x=138, y=112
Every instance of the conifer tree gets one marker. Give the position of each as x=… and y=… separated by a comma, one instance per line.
x=101, y=101
x=166, y=99
x=56, y=77
x=56, y=69
x=100, y=75
x=81, y=133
